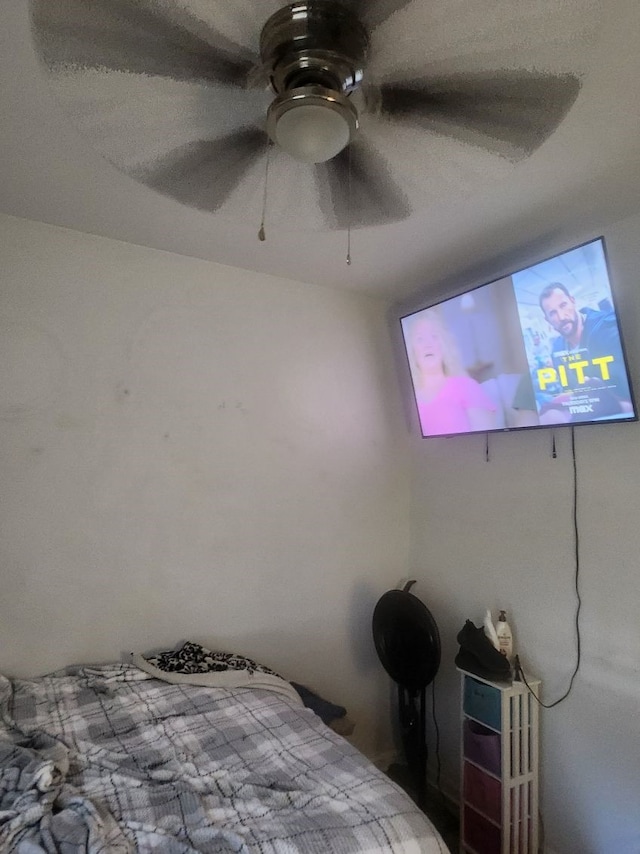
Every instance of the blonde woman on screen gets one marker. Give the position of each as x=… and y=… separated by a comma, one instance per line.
x=449, y=400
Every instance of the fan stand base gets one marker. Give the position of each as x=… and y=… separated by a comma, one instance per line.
x=412, y=713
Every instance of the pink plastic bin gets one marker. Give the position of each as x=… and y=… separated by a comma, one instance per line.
x=482, y=792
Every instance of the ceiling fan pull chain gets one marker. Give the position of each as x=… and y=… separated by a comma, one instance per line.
x=261, y=233
x=349, y=205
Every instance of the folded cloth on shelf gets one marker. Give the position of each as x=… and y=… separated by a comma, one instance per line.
x=478, y=655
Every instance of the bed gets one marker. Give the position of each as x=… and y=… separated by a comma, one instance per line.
x=212, y=758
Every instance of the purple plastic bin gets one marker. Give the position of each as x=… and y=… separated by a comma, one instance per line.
x=482, y=746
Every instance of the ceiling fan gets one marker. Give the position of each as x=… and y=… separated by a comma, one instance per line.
x=307, y=90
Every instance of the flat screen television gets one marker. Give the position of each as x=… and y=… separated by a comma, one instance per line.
x=538, y=348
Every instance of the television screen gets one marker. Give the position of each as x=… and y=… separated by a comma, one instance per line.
x=541, y=347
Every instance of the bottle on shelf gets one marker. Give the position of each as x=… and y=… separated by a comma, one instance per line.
x=490, y=630
x=505, y=637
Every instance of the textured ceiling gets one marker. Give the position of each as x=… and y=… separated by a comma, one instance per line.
x=469, y=207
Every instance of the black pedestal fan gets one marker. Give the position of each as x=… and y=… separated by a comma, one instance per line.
x=408, y=644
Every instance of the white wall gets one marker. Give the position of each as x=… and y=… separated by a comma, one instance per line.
x=499, y=534
x=188, y=450
x=194, y=451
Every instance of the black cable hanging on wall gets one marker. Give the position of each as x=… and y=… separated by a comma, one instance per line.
x=576, y=540
x=576, y=543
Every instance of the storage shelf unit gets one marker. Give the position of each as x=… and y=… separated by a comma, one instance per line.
x=499, y=774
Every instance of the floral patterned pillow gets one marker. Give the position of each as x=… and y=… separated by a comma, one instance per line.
x=193, y=658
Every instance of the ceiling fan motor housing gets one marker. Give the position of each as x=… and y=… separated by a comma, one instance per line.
x=315, y=53
x=318, y=43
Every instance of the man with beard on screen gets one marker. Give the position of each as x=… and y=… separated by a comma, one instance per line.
x=586, y=336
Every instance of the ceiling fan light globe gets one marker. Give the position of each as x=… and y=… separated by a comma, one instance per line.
x=312, y=123
x=312, y=133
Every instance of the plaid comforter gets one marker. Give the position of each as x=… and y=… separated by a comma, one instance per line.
x=109, y=759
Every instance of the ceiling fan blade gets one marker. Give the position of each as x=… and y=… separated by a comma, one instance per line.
x=509, y=112
x=204, y=173
x=374, y=12
x=356, y=189
x=129, y=36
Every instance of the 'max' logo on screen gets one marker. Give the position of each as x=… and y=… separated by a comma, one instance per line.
x=550, y=376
